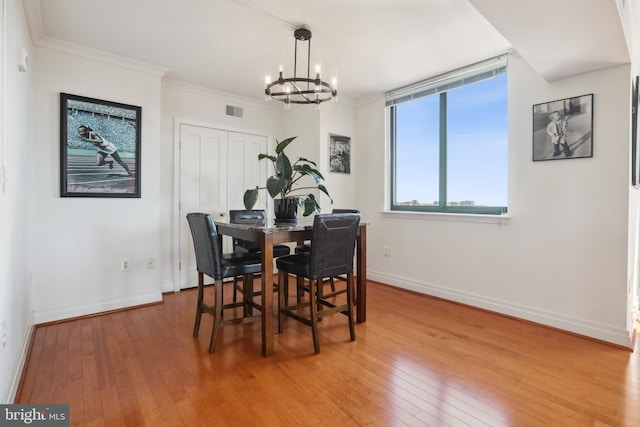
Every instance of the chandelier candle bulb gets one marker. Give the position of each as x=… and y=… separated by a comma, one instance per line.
x=267, y=79
x=334, y=83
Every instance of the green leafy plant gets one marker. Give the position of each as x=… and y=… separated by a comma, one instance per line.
x=286, y=175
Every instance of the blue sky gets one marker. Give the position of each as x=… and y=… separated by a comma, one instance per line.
x=477, y=145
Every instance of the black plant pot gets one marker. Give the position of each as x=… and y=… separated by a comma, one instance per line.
x=285, y=210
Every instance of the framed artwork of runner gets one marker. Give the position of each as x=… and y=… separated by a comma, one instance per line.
x=99, y=148
x=563, y=129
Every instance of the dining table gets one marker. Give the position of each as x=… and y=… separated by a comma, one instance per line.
x=271, y=233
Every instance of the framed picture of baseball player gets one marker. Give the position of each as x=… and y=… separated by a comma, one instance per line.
x=563, y=129
x=99, y=148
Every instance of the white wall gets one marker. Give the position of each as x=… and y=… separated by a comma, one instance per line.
x=561, y=257
x=303, y=122
x=312, y=128
x=15, y=205
x=339, y=118
x=81, y=241
x=630, y=19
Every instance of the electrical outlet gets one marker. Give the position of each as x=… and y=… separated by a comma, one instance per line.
x=125, y=264
x=4, y=336
x=151, y=263
x=387, y=251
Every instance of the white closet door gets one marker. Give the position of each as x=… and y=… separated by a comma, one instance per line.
x=244, y=171
x=216, y=166
x=203, y=187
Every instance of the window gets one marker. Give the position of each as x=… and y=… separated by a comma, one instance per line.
x=449, y=142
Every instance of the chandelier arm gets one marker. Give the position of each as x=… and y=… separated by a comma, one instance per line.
x=301, y=92
x=325, y=89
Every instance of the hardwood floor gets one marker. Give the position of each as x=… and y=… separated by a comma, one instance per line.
x=416, y=361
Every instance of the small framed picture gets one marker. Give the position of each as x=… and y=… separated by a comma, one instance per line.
x=563, y=129
x=339, y=154
x=99, y=148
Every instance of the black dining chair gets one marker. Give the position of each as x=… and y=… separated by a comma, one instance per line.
x=211, y=261
x=257, y=217
x=331, y=280
x=330, y=254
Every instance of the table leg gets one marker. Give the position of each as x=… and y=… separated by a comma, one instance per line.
x=361, y=283
x=266, y=244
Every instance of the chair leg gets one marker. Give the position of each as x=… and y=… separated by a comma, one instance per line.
x=235, y=290
x=286, y=294
x=281, y=304
x=319, y=296
x=299, y=288
x=247, y=295
x=283, y=282
x=352, y=328
x=217, y=318
x=196, y=327
x=353, y=291
x=333, y=285
x=314, y=313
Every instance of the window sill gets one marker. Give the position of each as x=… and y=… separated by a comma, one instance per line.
x=448, y=217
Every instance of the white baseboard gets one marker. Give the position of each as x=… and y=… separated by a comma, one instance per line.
x=168, y=287
x=556, y=320
x=52, y=314
x=20, y=364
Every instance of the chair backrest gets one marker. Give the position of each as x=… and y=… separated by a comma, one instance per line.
x=205, y=243
x=243, y=216
x=346, y=211
x=333, y=244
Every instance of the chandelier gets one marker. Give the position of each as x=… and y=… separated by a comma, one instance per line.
x=300, y=90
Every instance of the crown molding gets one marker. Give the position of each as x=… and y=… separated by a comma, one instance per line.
x=100, y=56
x=216, y=94
x=39, y=39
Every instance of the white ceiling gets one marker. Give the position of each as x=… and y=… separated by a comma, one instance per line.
x=561, y=38
x=373, y=45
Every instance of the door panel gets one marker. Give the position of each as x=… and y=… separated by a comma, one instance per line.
x=203, y=168
x=244, y=170
x=216, y=166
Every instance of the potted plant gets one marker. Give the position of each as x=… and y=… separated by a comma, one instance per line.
x=286, y=174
